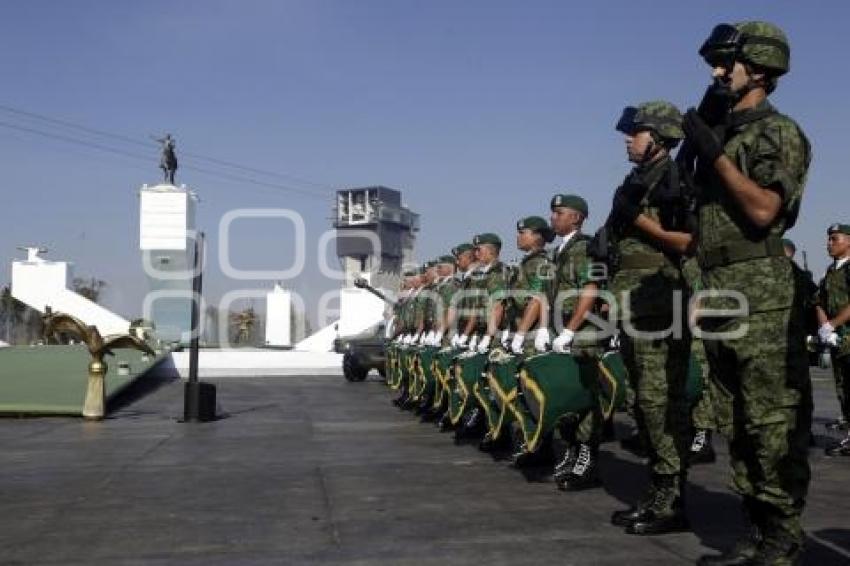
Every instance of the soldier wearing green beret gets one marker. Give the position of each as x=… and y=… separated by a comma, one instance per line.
x=531, y=287
x=408, y=316
x=446, y=285
x=751, y=178
x=574, y=295
x=650, y=235
x=833, y=312
x=489, y=284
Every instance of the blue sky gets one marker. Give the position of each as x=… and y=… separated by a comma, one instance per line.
x=478, y=111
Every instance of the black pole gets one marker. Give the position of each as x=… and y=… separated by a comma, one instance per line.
x=192, y=403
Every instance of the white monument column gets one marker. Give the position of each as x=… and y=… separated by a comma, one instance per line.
x=166, y=240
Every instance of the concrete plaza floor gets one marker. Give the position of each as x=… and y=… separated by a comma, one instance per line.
x=315, y=470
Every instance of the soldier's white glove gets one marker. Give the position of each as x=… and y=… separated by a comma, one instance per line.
x=473, y=343
x=416, y=337
x=563, y=342
x=461, y=341
x=505, y=340
x=832, y=340
x=542, y=339
x=517, y=342
x=438, y=338
x=484, y=344
x=614, y=344
x=824, y=331
x=429, y=338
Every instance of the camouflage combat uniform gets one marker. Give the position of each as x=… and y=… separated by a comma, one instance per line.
x=649, y=286
x=762, y=377
x=572, y=273
x=833, y=296
x=535, y=276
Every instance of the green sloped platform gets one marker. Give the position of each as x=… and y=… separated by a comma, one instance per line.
x=51, y=380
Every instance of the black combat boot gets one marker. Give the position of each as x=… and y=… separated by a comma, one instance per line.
x=584, y=474
x=666, y=512
x=626, y=517
x=471, y=426
x=566, y=464
x=840, y=449
x=702, y=451
x=444, y=422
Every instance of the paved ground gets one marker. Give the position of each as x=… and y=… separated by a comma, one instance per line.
x=320, y=471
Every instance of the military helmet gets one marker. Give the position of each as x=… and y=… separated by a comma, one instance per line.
x=658, y=116
x=759, y=43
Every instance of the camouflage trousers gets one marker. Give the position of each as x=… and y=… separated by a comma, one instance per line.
x=703, y=412
x=764, y=408
x=841, y=372
x=658, y=370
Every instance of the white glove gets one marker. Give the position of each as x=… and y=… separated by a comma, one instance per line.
x=542, y=339
x=832, y=340
x=484, y=345
x=417, y=337
x=517, y=342
x=438, y=338
x=824, y=331
x=563, y=342
x=505, y=340
x=473, y=343
x=461, y=341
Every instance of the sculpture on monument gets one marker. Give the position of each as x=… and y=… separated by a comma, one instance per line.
x=98, y=347
x=168, y=158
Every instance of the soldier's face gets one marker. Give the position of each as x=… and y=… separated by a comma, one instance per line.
x=445, y=269
x=637, y=144
x=564, y=220
x=485, y=253
x=734, y=78
x=838, y=245
x=465, y=259
x=526, y=239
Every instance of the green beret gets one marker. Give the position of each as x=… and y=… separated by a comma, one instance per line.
x=448, y=258
x=487, y=238
x=536, y=224
x=410, y=272
x=788, y=243
x=843, y=228
x=570, y=201
x=428, y=265
x=460, y=248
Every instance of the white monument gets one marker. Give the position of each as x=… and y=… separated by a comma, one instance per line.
x=166, y=240
x=278, y=317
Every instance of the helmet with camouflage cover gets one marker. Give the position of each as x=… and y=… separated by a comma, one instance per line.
x=658, y=116
x=760, y=43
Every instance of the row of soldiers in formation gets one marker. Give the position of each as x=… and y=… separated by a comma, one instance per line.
x=702, y=230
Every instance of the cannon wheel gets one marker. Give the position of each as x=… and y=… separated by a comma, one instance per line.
x=352, y=370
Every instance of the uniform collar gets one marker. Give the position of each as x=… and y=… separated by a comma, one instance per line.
x=566, y=240
x=840, y=262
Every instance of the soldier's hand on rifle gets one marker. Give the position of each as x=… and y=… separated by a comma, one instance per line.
x=563, y=342
x=517, y=342
x=542, y=339
x=484, y=344
x=708, y=144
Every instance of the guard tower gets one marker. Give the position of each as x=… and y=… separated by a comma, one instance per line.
x=378, y=211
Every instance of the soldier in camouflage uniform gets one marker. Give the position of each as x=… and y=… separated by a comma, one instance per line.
x=574, y=296
x=751, y=177
x=833, y=312
x=648, y=227
x=532, y=287
x=489, y=282
x=408, y=328
x=457, y=316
